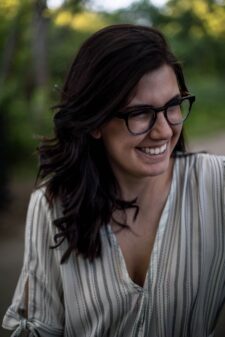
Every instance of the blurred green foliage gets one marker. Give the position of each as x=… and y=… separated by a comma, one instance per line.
x=208, y=114
x=195, y=29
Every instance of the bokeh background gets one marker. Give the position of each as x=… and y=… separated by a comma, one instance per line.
x=38, y=40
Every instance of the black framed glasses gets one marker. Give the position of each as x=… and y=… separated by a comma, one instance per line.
x=141, y=118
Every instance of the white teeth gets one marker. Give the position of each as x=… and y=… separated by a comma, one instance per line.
x=154, y=151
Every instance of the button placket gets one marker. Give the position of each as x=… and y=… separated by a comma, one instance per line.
x=142, y=313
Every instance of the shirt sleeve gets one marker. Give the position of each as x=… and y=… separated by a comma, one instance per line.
x=224, y=207
x=37, y=304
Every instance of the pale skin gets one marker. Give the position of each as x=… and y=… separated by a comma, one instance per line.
x=145, y=176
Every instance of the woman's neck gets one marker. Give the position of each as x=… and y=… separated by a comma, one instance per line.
x=147, y=189
x=151, y=194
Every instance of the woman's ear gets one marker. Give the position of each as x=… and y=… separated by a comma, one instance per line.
x=96, y=133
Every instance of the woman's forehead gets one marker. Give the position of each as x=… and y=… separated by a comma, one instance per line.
x=156, y=87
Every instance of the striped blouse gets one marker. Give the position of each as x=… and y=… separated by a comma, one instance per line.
x=184, y=289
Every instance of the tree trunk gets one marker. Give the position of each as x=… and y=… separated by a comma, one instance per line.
x=39, y=43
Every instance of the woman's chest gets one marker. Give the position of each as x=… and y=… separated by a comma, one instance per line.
x=135, y=250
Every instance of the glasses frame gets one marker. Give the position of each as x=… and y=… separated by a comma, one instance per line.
x=176, y=101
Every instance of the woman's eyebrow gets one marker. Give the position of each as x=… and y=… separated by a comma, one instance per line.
x=174, y=98
x=142, y=106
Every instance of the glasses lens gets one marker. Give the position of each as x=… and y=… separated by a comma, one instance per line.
x=177, y=114
x=140, y=122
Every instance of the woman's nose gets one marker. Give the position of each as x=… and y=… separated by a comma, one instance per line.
x=161, y=128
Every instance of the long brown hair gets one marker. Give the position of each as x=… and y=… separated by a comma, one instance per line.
x=106, y=69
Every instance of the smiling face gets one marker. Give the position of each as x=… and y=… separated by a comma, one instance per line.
x=149, y=154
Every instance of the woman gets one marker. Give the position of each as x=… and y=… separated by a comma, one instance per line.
x=135, y=225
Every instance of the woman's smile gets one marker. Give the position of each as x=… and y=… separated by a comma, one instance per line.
x=153, y=150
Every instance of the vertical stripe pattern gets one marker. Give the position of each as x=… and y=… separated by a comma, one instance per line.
x=184, y=288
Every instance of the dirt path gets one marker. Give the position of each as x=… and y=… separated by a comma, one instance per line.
x=214, y=144
x=12, y=232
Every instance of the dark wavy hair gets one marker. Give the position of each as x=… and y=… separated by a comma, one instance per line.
x=73, y=165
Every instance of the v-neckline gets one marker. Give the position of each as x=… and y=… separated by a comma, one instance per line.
x=156, y=245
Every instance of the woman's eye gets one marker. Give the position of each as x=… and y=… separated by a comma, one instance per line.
x=173, y=108
x=139, y=116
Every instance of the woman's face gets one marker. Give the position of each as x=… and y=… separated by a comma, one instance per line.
x=148, y=154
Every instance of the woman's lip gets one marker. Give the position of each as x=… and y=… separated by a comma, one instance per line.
x=152, y=146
